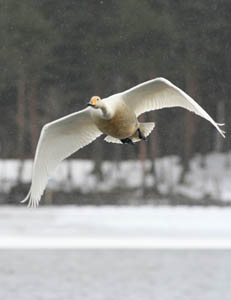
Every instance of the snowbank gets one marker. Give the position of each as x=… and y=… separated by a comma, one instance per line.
x=208, y=177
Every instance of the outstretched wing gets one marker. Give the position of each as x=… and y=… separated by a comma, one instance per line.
x=160, y=93
x=58, y=140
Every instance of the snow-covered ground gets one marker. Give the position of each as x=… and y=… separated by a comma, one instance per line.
x=208, y=177
x=141, y=227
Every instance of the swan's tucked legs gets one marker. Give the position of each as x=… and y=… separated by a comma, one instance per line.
x=140, y=134
x=127, y=141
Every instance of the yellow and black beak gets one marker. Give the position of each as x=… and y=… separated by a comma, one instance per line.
x=92, y=102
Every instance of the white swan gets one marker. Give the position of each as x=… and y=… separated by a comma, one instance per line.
x=115, y=116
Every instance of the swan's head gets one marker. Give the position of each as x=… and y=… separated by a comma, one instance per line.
x=95, y=102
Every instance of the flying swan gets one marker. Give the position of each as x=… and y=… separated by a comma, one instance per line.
x=115, y=116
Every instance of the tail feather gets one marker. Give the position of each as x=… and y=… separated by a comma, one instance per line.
x=146, y=128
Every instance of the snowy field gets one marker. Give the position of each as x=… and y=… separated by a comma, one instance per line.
x=115, y=253
x=140, y=227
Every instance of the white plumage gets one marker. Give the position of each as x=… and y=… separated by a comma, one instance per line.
x=61, y=138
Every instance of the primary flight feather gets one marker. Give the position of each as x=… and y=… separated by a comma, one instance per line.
x=115, y=116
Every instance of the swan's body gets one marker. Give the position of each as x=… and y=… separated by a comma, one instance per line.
x=115, y=116
x=122, y=124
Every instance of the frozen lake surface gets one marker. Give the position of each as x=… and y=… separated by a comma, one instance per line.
x=115, y=274
x=141, y=227
x=115, y=253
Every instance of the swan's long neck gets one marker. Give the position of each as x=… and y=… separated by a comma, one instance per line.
x=107, y=113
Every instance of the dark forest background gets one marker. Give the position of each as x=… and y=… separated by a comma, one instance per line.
x=54, y=55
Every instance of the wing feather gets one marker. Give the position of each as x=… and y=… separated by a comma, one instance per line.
x=160, y=93
x=58, y=140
